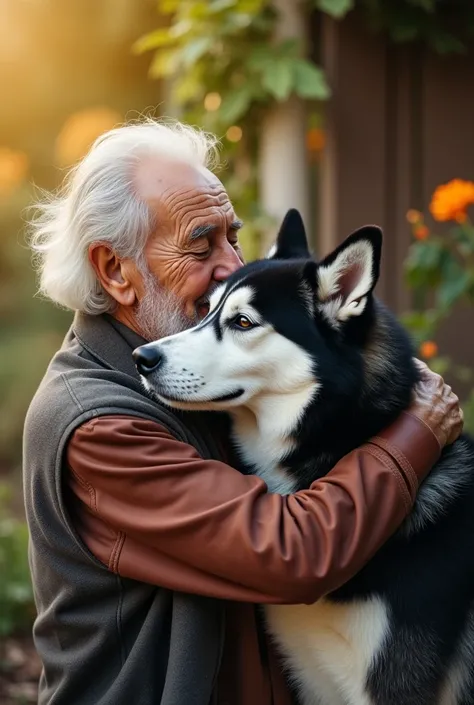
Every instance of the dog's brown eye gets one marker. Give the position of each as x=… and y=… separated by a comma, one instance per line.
x=243, y=322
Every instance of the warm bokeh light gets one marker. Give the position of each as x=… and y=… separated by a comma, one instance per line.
x=212, y=102
x=234, y=133
x=80, y=130
x=315, y=139
x=13, y=169
x=413, y=216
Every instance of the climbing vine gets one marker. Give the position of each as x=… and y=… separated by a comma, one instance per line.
x=226, y=49
x=225, y=66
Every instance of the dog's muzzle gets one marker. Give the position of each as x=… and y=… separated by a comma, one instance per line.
x=148, y=358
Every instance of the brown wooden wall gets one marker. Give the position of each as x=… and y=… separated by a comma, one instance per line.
x=401, y=121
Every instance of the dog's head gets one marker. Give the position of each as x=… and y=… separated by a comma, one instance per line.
x=286, y=327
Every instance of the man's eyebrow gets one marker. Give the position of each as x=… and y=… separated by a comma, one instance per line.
x=203, y=230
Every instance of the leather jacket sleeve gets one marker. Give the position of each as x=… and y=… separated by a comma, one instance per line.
x=150, y=508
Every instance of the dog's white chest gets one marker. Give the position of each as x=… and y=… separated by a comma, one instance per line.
x=264, y=454
x=330, y=647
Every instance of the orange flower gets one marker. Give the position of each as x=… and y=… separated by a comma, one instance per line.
x=449, y=201
x=413, y=216
x=421, y=232
x=315, y=139
x=428, y=349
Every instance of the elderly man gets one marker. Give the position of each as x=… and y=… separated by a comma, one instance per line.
x=149, y=551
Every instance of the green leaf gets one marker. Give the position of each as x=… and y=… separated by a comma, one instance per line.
x=421, y=325
x=153, y=40
x=335, y=8
x=310, y=81
x=219, y=5
x=165, y=63
x=188, y=88
x=423, y=264
x=195, y=49
x=234, y=24
x=464, y=235
x=289, y=48
x=464, y=374
x=427, y=5
x=252, y=7
x=277, y=79
x=415, y=320
x=198, y=11
x=440, y=365
x=235, y=105
x=445, y=43
x=453, y=289
x=181, y=29
x=168, y=7
x=404, y=33
x=259, y=56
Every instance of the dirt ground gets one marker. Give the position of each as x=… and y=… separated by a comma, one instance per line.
x=19, y=671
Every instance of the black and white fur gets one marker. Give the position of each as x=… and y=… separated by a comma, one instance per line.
x=310, y=365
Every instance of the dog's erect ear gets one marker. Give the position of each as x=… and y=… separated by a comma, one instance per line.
x=346, y=278
x=291, y=241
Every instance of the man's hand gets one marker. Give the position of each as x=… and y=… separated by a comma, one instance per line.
x=436, y=404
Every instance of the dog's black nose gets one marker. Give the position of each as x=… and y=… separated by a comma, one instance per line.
x=147, y=359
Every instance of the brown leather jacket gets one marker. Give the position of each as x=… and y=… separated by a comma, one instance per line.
x=150, y=508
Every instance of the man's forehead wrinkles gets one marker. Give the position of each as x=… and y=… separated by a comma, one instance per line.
x=199, y=205
x=176, y=199
x=192, y=218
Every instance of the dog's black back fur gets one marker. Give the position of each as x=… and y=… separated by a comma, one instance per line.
x=426, y=571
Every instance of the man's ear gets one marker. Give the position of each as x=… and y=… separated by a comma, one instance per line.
x=291, y=242
x=345, y=279
x=116, y=276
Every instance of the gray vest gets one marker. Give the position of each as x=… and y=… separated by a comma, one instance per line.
x=104, y=639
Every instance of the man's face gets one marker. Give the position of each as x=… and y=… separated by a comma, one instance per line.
x=194, y=247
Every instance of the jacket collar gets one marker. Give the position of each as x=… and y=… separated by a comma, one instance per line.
x=108, y=340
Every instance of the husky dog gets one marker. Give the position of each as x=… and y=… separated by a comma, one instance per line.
x=310, y=365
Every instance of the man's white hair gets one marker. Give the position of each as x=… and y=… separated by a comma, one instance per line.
x=98, y=203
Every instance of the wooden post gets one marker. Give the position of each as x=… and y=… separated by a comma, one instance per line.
x=398, y=124
x=283, y=163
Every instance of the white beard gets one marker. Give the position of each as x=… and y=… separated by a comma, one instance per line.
x=160, y=313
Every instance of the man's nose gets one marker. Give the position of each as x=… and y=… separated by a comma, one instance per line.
x=147, y=359
x=228, y=263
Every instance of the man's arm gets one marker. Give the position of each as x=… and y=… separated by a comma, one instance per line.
x=153, y=510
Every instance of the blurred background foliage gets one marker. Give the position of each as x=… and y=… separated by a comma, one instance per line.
x=74, y=69
x=16, y=595
x=67, y=73
x=440, y=271
x=225, y=63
